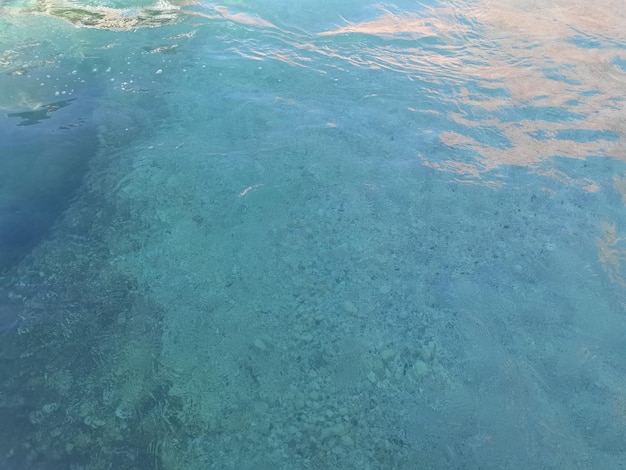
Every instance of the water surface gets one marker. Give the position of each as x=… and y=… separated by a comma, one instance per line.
x=266, y=235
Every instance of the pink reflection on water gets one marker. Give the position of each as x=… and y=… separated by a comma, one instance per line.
x=537, y=55
x=529, y=40
x=391, y=25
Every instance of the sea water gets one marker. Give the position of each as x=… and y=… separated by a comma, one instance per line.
x=312, y=235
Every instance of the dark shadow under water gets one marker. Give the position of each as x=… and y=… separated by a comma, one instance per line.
x=44, y=158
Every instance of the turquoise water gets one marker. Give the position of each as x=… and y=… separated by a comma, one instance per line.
x=312, y=235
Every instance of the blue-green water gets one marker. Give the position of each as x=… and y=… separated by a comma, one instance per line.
x=312, y=235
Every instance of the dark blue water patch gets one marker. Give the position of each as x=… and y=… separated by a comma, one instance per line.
x=589, y=93
x=537, y=113
x=576, y=135
x=562, y=78
x=586, y=135
x=621, y=63
x=45, y=152
x=585, y=41
x=572, y=103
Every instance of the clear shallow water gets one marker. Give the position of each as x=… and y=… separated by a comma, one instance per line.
x=318, y=236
